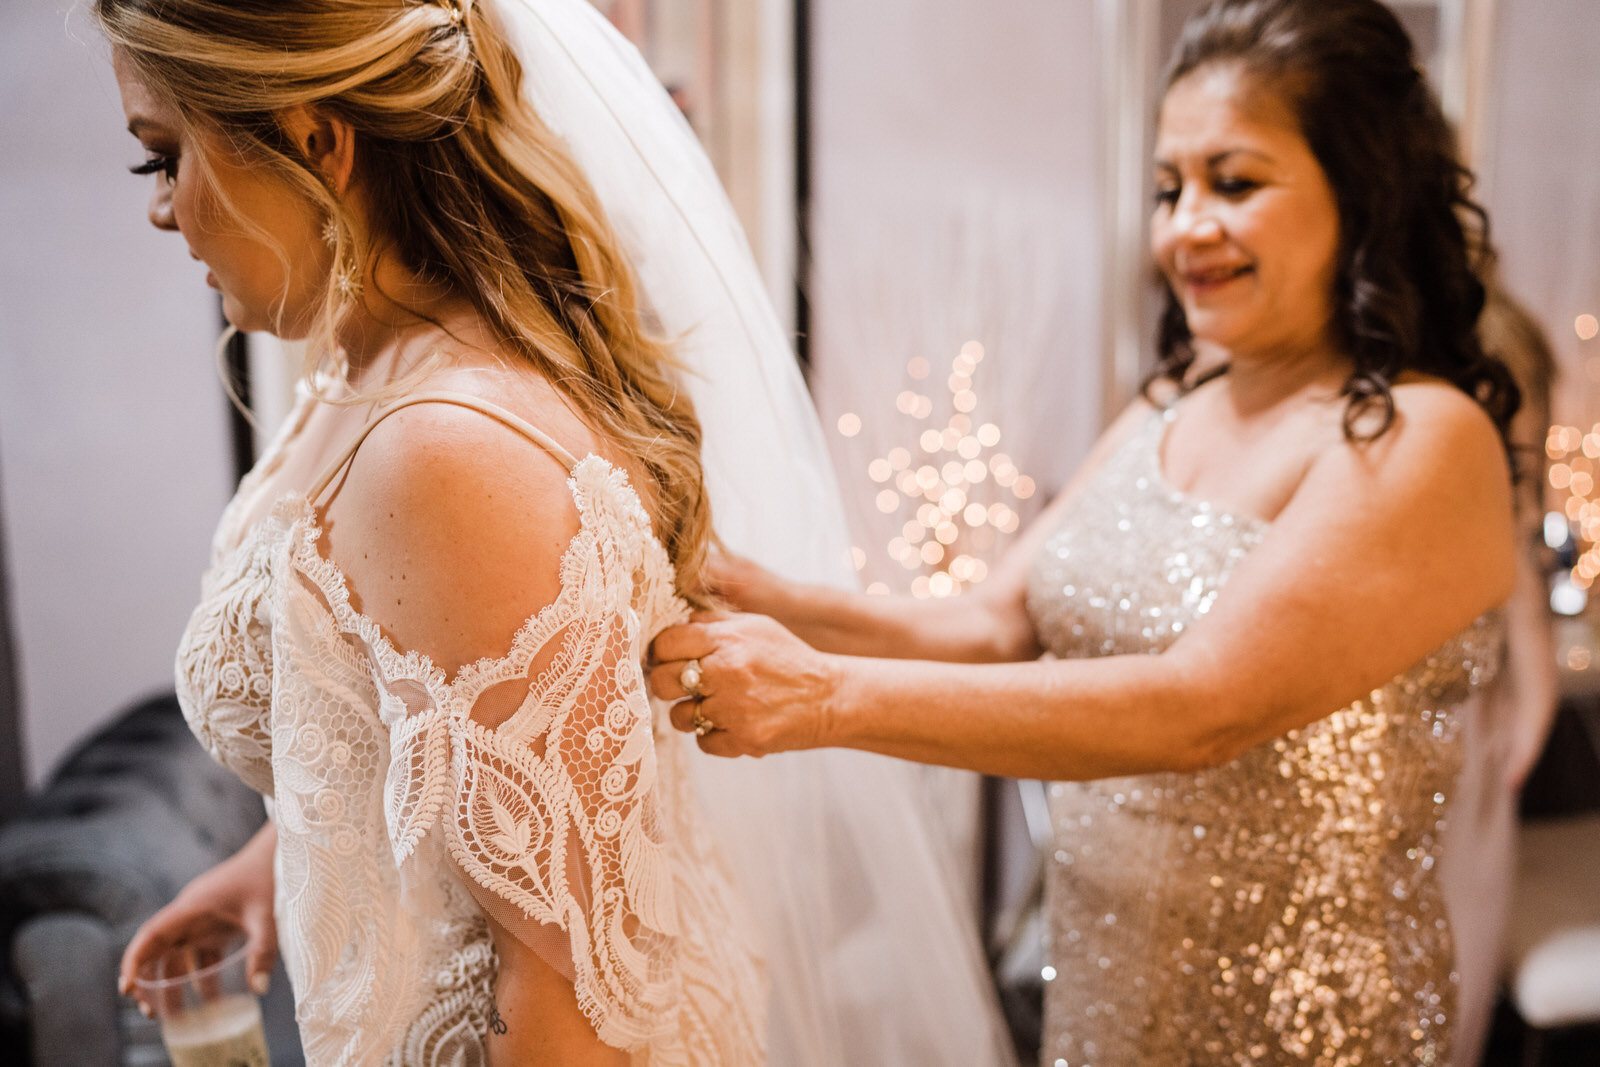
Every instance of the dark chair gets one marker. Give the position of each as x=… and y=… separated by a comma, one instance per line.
x=129, y=817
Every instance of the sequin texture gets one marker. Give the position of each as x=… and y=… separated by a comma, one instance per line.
x=1283, y=907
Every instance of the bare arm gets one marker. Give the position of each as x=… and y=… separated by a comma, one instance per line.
x=1384, y=552
x=450, y=528
x=990, y=625
x=1529, y=690
x=1528, y=682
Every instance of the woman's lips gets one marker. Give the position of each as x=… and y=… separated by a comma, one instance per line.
x=211, y=279
x=1201, y=282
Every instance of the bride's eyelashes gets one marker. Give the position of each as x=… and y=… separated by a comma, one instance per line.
x=158, y=164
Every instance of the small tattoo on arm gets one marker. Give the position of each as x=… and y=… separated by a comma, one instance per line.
x=497, y=1025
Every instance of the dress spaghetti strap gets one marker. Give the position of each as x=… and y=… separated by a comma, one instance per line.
x=465, y=400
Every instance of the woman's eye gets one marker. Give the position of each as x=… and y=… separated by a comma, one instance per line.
x=158, y=164
x=1234, y=186
x=1168, y=196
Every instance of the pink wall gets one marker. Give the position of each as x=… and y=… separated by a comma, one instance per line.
x=1541, y=179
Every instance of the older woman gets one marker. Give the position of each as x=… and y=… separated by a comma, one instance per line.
x=1270, y=592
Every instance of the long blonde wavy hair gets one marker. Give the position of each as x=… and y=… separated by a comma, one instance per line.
x=467, y=187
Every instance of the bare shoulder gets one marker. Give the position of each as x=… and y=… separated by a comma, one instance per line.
x=450, y=525
x=1113, y=437
x=1007, y=586
x=1424, y=397
x=520, y=391
x=1128, y=420
x=1138, y=410
x=1439, y=434
x=1436, y=484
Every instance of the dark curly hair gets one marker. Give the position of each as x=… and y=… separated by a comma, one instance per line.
x=1412, y=242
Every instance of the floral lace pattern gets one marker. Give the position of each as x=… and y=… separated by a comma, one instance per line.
x=403, y=818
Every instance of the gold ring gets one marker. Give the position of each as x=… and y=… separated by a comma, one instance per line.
x=702, y=725
x=690, y=678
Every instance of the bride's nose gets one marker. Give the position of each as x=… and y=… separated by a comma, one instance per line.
x=160, y=208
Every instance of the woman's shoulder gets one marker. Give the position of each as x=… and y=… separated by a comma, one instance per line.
x=520, y=392
x=1427, y=397
x=1437, y=424
x=461, y=457
x=1440, y=459
x=451, y=525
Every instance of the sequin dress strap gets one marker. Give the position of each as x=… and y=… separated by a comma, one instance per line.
x=465, y=400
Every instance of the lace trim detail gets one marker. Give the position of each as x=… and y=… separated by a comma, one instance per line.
x=556, y=809
x=223, y=670
x=573, y=819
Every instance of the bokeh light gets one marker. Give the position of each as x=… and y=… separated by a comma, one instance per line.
x=954, y=497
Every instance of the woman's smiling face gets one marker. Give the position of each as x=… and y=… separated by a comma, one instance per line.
x=1246, y=225
x=260, y=238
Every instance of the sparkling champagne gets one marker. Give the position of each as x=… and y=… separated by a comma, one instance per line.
x=219, y=1033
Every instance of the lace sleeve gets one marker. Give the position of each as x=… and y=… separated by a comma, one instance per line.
x=541, y=768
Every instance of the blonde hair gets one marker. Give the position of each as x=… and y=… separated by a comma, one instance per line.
x=467, y=187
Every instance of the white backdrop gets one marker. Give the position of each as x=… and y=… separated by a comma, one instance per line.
x=955, y=161
x=1541, y=179
x=112, y=425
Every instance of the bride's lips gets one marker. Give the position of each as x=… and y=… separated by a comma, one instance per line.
x=211, y=279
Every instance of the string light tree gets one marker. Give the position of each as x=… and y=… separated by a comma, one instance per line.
x=949, y=489
x=955, y=497
x=1574, y=473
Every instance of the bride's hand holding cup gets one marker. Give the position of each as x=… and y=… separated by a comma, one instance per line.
x=745, y=685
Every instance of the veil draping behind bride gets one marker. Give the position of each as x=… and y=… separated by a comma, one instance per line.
x=870, y=937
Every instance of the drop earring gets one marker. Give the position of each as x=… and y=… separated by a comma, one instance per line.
x=344, y=277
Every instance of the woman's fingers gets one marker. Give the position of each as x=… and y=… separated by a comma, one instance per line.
x=722, y=743
x=683, y=715
x=161, y=938
x=154, y=939
x=690, y=640
x=729, y=575
x=262, y=953
x=666, y=680
x=743, y=583
x=759, y=686
x=672, y=651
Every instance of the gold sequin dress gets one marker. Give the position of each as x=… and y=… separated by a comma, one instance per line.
x=1280, y=908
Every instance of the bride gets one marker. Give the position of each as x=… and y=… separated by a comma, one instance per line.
x=445, y=700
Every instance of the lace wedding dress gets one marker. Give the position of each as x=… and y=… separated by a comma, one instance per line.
x=402, y=819
x=858, y=903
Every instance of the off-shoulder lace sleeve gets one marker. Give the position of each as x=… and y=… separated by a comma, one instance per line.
x=540, y=770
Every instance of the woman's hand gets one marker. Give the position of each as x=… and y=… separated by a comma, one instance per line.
x=748, y=586
x=235, y=894
x=762, y=689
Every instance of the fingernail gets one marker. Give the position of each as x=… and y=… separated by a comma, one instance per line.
x=144, y=1009
x=258, y=982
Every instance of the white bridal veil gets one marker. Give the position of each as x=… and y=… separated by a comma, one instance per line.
x=869, y=935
